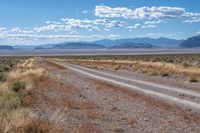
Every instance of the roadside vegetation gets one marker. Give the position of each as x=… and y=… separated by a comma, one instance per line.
x=17, y=96
x=181, y=66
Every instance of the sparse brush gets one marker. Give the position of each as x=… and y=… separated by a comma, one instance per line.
x=164, y=74
x=2, y=77
x=18, y=86
x=193, y=78
x=117, y=67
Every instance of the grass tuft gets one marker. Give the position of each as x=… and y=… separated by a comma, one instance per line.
x=18, y=86
x=10, y=101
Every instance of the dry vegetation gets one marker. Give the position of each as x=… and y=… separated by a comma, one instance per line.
x=17, y=97
x=181, y=67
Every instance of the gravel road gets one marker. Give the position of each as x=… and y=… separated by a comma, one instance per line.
x=179, y=96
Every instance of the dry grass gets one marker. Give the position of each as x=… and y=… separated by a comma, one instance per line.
x=19, y=121
x=15, y=106
x=147, y=67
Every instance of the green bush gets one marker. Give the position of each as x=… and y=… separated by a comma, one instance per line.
x=2, y=77
x=17, y=86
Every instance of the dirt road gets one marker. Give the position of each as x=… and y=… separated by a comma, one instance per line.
x=179, y=96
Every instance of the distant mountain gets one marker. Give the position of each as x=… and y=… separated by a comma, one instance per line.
x=45, y=46
x=106, y=43
x=75, y=45
x=23, y=47
x=131, y=45
x=191, y=42
x=6, y=47
x=159, y=42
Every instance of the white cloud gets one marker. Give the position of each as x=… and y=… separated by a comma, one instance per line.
x=198, y=32
x=162, y=12
x=112, y=36
x=30, y=38
x=50, y=27
x=149, y=24
x=192, y=20
x=19, y=30
x=2, y=29
x=92, y=24
x=153, y=22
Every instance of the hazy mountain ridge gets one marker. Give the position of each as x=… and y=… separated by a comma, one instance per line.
x=76, y=45
x=106, y=43
x=191, y=42
x=129, y=45
x=159, y=42
x=123, y=43
x=6, y=47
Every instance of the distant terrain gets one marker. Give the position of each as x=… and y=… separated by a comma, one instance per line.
x=128, y=45
x=191, y=42
x=134, y=43
x=77, y=46
x=159, y=42
x=5, y=47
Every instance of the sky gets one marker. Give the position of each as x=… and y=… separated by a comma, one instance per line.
x=34, y=22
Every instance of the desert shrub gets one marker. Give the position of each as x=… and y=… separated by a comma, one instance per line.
x=117, y=67
x=164, y=74
x=10, y=101
x=17, y=86
x=2, y=77
x=193, y=79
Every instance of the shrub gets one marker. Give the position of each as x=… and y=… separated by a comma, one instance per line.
x=193, y=79
x=2, y=77
x=164, y=74
x=17, y=86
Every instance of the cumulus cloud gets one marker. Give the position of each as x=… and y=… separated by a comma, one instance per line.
x=162, y=12
x=85, y=23
x=51, y=29
x=70, y=24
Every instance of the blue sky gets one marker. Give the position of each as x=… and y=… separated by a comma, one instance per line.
x=51, y=21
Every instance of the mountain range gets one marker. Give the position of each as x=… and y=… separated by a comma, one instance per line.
x=117, y=44
x=130, y=45
x=6, y=47
x=159, y=42
x=191, y=42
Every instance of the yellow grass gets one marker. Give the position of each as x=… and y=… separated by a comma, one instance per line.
x=167, y=66
x=151, y=68
x=13, y=117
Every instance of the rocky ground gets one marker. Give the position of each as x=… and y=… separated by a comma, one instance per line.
x=77, y=104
